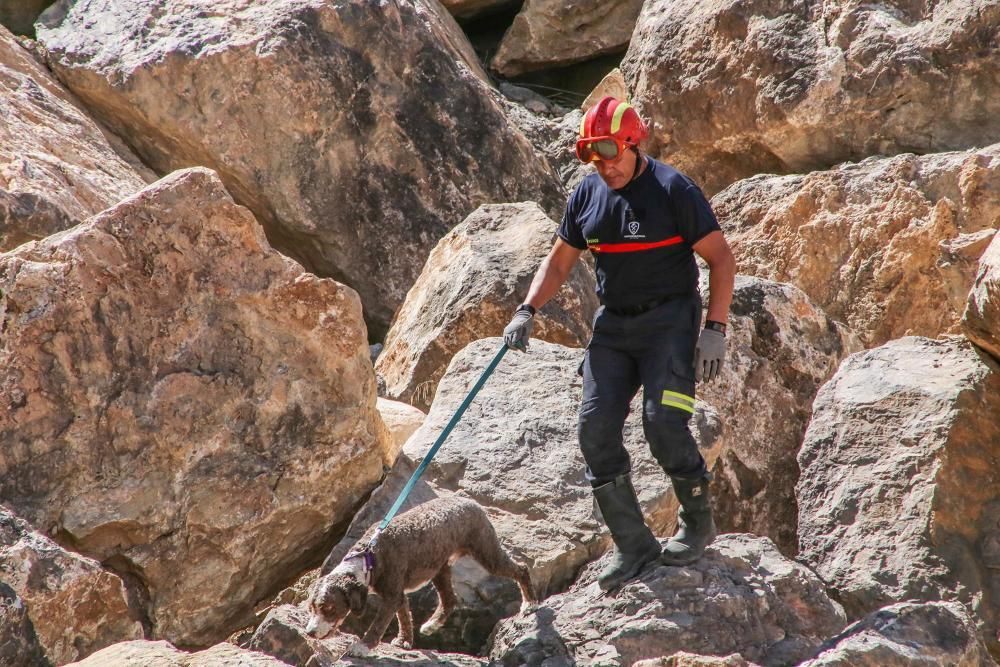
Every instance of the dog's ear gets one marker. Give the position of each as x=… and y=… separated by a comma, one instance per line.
x=357, y=595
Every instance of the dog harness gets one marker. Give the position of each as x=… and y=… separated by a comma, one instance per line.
x=359, y=563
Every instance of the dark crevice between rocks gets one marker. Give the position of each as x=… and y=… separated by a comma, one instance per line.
x=139, y=608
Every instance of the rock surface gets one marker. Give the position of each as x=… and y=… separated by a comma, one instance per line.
x=56, y=166
x=466, y=9
x=18, y=642
x=357, y=133
x=74, y=605
x=401, y=419
x=899, y=497
x=981, y=320
x=162, y=654
x=781, y=348
x=788, y=86
x=555, y=33
x=470, y=286
x=743, y=596
x=685, y=659
x=908, y=635
x=19, y=15
x=183, y=403
x=556, y=140
x=888, y=246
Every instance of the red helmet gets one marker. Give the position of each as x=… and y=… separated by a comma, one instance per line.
x=607, y=128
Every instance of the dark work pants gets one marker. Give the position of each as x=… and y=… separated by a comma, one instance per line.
x=654, y=350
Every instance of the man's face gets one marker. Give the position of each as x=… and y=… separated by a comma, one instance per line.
x=617, y=173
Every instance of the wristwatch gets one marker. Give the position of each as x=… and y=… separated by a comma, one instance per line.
x=716, y=326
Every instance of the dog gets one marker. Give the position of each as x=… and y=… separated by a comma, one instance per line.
x=418, y=547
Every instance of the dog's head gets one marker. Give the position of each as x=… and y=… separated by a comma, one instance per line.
x=333, y=597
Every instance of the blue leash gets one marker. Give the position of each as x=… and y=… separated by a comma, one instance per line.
x=437, y=444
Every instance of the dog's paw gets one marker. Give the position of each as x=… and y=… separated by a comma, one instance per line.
x=359, y=650
x=430, y=627
x=528, y=608
x=401, y=643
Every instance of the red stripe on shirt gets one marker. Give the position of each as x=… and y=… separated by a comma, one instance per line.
x=633, y=247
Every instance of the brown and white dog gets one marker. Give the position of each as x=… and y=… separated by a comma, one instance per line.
x=418, y=546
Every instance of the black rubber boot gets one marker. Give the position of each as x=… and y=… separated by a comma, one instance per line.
x=695, y=527
x=635, y=545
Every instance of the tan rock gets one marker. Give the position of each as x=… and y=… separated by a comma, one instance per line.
x=736, y=89
x=685, y=659
x=981, y=320
x=357, y=133
x=163, y=654
x=56, y=166
x=889, y=246
x=899, y=497
x=781, y=349
x=907, y=634
x=555, y=33
x=612, y=84
x=19, y=15
x=743, y=596
x=470, y=286
x=76, y=607
x=401, y=419
x=183, y=402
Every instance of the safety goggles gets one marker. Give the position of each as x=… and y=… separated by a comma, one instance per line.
x=593, y=149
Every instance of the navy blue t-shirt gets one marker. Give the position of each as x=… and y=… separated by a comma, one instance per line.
x=640, y=235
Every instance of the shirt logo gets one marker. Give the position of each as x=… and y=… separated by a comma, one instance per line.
x=633, y=228
x=632, y=225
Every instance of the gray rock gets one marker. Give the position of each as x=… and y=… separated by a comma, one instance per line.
x=908, y=635
x=182, y=402
x=18, y=642
x=981, y=320
x=74, y=605
x=788, y=86
x=555, y=139
x=163, y=654
x=357, y=133
x=472, y=282
x=899, y=497
x=555, y=33
x=742, y=597
x=889, y=246
x=781, y=348
x=19, y=15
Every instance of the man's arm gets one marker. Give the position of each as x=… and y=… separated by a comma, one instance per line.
x=552, y=273
x=714, y=249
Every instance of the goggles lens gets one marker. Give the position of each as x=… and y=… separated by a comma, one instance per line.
x=589, y=150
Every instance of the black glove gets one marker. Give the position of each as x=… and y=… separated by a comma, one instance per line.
x=519, y=330
x=709, y=354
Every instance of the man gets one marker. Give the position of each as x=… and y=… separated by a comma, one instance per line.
x=643, y=221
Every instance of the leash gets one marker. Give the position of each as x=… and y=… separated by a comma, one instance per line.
x=437, y=444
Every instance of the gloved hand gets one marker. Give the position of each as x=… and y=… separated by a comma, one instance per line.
x=709, y=354
x=519, y=330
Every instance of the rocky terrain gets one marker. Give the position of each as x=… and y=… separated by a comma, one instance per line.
x=254, y=255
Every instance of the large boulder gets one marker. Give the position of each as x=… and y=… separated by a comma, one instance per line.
x=736, y=88
x=908, y=635
x=743, y=596
x=899, y=497
x=889, y=246
x=555, y=33
x=183, y=403
x=163, y=654
x=981, y=320
x=75, y=606
x=470, y=286
x=57, y=168
x=18, y=641
x=556, y=139
x=358, y=133
x=781, y=349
